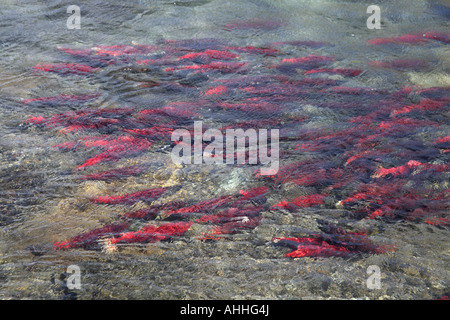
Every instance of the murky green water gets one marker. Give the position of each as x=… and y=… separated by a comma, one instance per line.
x=43, y=201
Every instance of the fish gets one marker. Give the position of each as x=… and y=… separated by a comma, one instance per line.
x=438, y=221
x=219, y=90
x=376, y=163
x=83, y=119
x=310, y=247
x=254, y=50
x=90, y=238
x=131, y=198
x=336, y=243
x=413, y=39
x=400, y=124
x=372, y=192
x=391, y=201
x=366, y=154
x=301, y=202
x=403, y=39
x=229, y=228
x=353, y=241
x=76, y=52
x=308, y=59
x=306, y=173
x=410, y=165
x=253, y=194
x=66, y=68
x=118, y=148
x=153, y=211
x=124, y=50
x=224, y=67
x=309, y=62
x=423, y=105
x=211, y=54
x=165, y=61
x=90, y=57
x=152, y=233
x=442, y=140
x=163, y=132
x=202, y=206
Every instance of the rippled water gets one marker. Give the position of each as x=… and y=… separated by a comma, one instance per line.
x=43, y=200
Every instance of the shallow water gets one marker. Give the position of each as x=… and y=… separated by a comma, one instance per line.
x=43, y=200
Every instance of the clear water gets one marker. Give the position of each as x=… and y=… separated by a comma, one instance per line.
x=42, y=200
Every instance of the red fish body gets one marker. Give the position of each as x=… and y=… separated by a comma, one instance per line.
x=152, y=233
x=224, y=67
x=404, y=169
x=438, y=36
x=153, y=211
x=307, y=63
x=154, y=133
x=252, y=195
x=90, y=238
x=117, y=149
x=202, y=206
x=233, y=227
x=150, y=194
x=219, y=90
x=337, y=242
x=66, y=68
x=311, y=247
x=404, y=39
x=301, y=202
x=423, y=105
x=255, y=50
x=415, y=39
x=77, y=52
x=356, y=158
x=84, y=119
x=212, y=54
